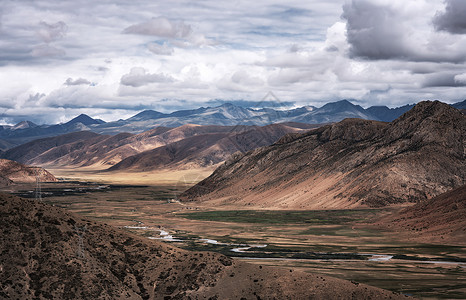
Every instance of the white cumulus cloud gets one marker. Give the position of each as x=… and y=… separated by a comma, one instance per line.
x=79, y=81
x=460, y=78
x=139, y=76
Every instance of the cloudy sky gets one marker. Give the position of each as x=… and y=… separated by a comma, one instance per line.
x=112, y=59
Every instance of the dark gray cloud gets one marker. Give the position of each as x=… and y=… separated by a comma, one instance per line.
x=79, y=81
x=332, y=48
x=453, y=19
x=10, y=54
x=374, y=31
x=1, y=23
x=139, y=77
x=45, y=50
x=444, y=79
x=35, y=98
x=294, y=48
x=384, y=31
x=29, y=44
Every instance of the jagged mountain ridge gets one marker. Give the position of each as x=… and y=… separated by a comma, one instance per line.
x=48, y=253
x=225, y=115
x=386, y=114
x=460, y=105
x=26, y=131
x=348, y=164
x=83, y=119
x=231, y=115
x=24, y=125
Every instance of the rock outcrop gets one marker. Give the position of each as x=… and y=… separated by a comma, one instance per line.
x=14, y=172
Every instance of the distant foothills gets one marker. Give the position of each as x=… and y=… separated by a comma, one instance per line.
x=225, y=115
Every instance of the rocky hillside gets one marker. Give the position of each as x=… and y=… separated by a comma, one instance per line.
x=47, y=253
x=13, y=172
x=348, y=164
x=438, y=219
x=205, y=150
x=26, y=153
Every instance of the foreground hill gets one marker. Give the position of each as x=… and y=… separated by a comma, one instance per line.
x=438, y=219
x=47, y=253
x=351, y=163
x=88, y=149
x=13, y=172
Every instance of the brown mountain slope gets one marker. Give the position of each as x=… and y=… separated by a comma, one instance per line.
x=47, y=253
x=85, y=152
x=90, y=149
x=27, y=152
x=438, y=219
x=205, y=150
x=155, y=138
x=348, y=164
x=102, y=151
x=13, y=172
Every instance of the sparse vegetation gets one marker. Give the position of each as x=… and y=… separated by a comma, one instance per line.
x=328, y=242
x=315, y=217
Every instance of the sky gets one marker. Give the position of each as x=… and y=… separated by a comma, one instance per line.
x=112, y=59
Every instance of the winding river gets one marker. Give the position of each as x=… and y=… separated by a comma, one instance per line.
x=164, y=235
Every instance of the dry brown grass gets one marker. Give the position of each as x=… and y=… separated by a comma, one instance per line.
x=189, y=176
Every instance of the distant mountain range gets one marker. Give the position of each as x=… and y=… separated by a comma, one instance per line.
x=26, y=131
x=225, y=115
x=347, y=164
